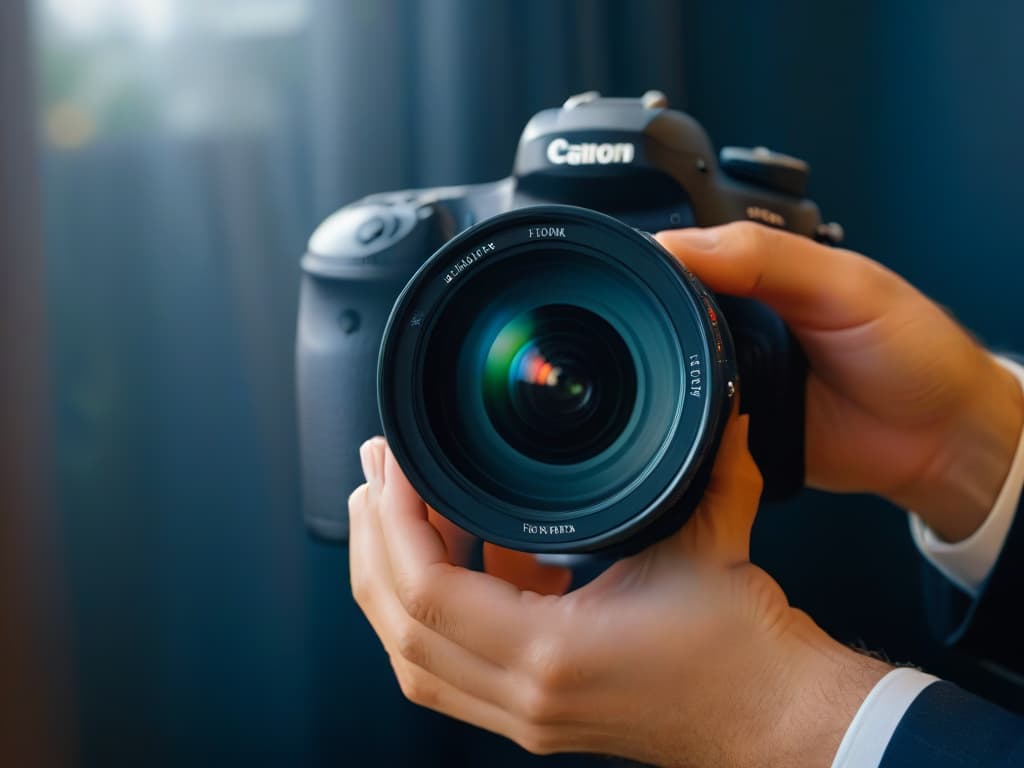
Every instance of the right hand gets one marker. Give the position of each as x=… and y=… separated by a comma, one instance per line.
x=901, y=401
x=683, y=654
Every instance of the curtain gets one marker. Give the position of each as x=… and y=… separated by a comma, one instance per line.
x=190, y=147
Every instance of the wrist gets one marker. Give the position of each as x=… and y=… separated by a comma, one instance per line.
x=821, y=684
x=957, y=490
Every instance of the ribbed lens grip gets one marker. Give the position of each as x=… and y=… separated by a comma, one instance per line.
x=773, y=385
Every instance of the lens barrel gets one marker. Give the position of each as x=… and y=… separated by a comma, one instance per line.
x=552, y=380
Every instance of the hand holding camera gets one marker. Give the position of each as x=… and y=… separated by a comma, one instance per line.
x=684, y=654
x=901, y=401
x=537, y=372
x=666, y=651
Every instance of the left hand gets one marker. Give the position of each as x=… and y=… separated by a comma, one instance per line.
x=685, y=654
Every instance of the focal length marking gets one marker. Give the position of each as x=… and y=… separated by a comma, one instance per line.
x=549, y=530
x=467, y=261
x=695, y=376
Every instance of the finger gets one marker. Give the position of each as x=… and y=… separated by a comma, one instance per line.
x=523, y=570
x=458, y=542
x=717, y=533
x=361, y=512
x=408, y=641
x=427, y=690
x=812, y=286
x=358, y=574
x=731, y=498
x=480, y=612
x=538, y=734
x=371, y=457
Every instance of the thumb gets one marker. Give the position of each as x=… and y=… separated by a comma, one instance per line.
x=723, y=520
x=457, y=541
x=810, y=285
x=523, y=570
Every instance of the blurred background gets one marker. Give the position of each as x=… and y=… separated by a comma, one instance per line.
x=164, y=161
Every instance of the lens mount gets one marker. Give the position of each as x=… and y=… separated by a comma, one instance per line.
x=552, y=380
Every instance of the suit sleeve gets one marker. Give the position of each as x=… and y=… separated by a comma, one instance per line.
x=947, y=727
x=984, y=622
x=988, y=626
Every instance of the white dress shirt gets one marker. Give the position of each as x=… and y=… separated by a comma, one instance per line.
x=967, y=564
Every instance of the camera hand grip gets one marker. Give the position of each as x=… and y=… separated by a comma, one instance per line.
x=340, y=326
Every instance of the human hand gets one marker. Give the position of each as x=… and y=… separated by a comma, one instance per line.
x=685, y=654
x=520, y=568
x=901, y=401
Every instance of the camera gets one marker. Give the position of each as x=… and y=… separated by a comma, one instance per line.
x=547, y=376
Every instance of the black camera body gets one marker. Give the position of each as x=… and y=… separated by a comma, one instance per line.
x=644, y=168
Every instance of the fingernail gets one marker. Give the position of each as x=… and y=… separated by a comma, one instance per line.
x=367, y=457
x=696, y=238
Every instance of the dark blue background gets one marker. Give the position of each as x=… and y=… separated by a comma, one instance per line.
x=208, y=628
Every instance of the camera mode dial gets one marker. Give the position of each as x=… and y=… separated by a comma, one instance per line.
x=762, y=166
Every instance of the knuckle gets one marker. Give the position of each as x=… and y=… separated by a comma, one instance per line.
x=749, y=245
x=539, y=704
x=743, y=228
x=360, y=589
x=748, y=236
x=538, y=740
x=417, y=688
x=417, y=599
x=410, y=644
x=762, y=588
x=422, y=596
x=551, y=665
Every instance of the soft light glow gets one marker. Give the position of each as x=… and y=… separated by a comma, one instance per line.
x=156, y=21
x=69, y=126
x=149, y=20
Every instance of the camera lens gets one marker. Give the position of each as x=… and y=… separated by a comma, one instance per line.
x=559, y=383
x=548, y=379
x=551, y=380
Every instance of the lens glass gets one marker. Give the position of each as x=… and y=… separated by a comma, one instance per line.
x=559, y=383
x=551, y=380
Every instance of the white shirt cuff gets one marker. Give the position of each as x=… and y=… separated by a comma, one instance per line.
x=872, y=727
x=967, y=563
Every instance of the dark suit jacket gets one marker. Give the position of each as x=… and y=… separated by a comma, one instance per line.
x=946, y=725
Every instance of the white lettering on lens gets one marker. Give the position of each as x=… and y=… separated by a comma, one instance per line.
x=561, y=152
x=548, y=530
x=467, y=261
x=535, y=232
x=696, y=383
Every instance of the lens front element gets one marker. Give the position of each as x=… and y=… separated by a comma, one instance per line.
x=551, y=380
x=559, y=383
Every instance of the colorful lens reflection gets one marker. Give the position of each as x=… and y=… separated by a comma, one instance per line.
x=559, y=383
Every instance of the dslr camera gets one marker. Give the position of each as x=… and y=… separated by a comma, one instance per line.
x=548, y=377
